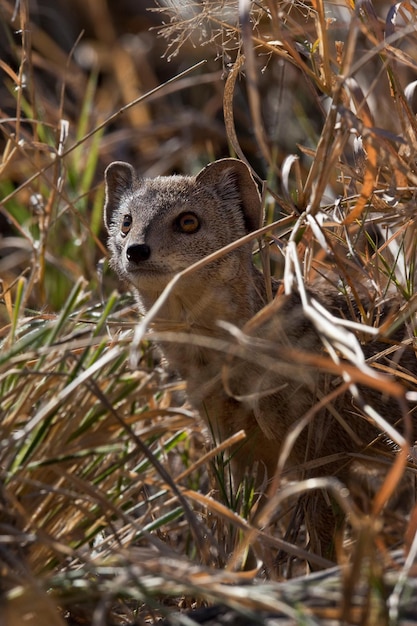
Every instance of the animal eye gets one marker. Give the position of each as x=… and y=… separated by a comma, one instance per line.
x=188, y=223
x=126, y=224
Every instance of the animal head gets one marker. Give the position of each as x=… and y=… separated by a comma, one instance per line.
x=158, y=227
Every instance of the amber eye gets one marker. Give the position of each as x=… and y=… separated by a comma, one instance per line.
x=126, y=224
x=188, y=223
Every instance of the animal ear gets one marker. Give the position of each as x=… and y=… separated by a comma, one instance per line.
x=120, y=178
x=236, y=174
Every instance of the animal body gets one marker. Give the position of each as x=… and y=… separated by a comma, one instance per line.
x=159, y=227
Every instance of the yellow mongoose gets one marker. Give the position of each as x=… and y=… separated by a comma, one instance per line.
x=158, y=227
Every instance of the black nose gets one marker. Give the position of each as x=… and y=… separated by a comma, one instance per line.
x=138, y=252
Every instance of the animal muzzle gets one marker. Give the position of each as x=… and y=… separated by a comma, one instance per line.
x=138, y=252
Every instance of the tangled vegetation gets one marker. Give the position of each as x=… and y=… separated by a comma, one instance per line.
x=112, y=510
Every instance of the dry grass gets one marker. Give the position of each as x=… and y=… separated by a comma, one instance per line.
x=106, y=512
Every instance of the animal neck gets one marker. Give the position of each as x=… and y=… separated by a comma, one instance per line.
x=198, y=303
x=191, y=314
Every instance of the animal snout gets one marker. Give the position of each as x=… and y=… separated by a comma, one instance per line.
x=138, y=252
